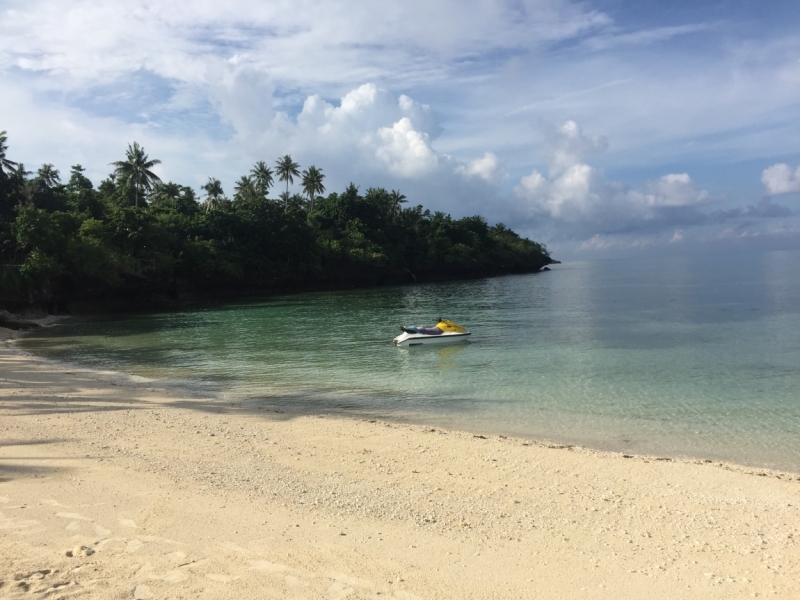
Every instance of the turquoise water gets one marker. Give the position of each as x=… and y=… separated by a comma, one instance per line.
x=678, y=356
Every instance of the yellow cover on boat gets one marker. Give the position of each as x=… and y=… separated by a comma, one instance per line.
x=446, y=325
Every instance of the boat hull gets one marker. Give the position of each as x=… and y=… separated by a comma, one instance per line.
x=418, y=339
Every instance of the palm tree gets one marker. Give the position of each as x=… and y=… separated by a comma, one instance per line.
x=5, y=164
x=312, y=184
x=245, y=188
x=396, y=198
x=214, y=193
x=166, y=192
x=286, y=170
x=20, y=173
x=48, y=175
x=263, y=177
x=136, y=168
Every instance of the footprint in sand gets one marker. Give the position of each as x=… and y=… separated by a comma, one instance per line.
x=102, y=531
x=127, y=523
x=73, y=526
x=133, y=546
x=5, y=499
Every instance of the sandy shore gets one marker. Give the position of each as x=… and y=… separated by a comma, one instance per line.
x=111, y=489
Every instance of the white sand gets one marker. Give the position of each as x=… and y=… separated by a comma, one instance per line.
x=159, y=496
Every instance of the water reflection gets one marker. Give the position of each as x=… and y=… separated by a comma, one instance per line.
x=678, y=354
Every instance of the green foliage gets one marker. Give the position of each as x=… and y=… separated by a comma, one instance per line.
x=65, y=242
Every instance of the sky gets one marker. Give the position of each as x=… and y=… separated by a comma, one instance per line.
x=601, y=128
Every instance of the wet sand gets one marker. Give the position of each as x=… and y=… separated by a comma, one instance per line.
x=113, y=489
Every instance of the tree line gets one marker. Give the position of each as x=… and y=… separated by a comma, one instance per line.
x=134, y=240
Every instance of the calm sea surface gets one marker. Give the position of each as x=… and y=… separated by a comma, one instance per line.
x=676, y=356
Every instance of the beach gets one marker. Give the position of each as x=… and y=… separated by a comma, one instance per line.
x=112, y=488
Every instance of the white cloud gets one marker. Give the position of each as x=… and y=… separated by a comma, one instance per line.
x=486, y=167
x=309, y=41
x=405, y=151
x=209, y=88
x=644, y=37
x=570, y=146
x=674, y=190
x=781, y=179
x=583, y=201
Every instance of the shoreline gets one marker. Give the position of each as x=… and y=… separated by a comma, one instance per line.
x=157, y=495
x=272, y=402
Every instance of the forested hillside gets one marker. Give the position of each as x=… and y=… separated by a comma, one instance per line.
x=134, y=241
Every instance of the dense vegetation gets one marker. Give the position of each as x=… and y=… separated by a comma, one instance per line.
x=135, y=240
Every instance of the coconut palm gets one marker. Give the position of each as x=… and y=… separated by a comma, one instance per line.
x=20, y=173
x=5, y=164
x=166, y=192
x=286, y=170
x=48, y=175
x=396, y=199
x=262, y=175
x=245, y=188
x=312, y=184
x=136, y=169
x=214, y=193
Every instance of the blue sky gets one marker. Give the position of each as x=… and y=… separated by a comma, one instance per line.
x=603, y=128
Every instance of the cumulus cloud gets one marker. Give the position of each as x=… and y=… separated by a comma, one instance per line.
x=370, y=136
x=575, y=206
x=781, y=179
x=370, y=126
x=579, y=195
x=570, y=146
x=405, y=151
x=209, y=88
x=486, y=167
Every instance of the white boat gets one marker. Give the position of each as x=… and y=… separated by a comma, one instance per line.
x=444, y=332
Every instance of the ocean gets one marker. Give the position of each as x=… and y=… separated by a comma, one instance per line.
x=668, y=356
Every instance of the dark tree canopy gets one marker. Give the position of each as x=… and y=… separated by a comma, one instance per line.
x=134, y=241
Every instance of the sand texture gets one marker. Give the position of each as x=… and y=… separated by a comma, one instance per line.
x=111, y=489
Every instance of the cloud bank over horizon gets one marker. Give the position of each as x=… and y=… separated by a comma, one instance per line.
x=591, y=126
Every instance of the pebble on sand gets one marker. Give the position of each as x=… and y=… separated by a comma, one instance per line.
x=79, y=551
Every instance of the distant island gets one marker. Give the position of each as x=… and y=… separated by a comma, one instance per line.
x=136, y=242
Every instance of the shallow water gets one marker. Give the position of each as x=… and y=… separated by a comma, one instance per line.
x=680, y=355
